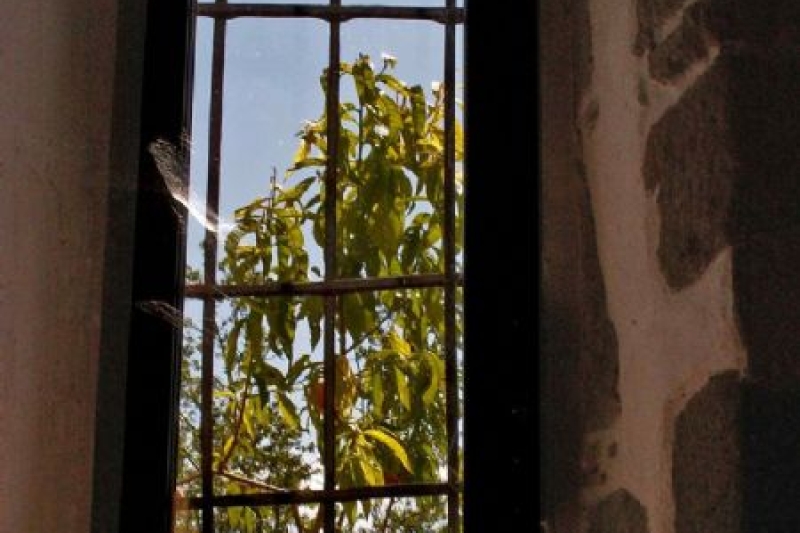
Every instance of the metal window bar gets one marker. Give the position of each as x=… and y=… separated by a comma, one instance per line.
x=449, y=237
x=210, y=276
x=338, y=286
x=332, y=287
x=331, y=178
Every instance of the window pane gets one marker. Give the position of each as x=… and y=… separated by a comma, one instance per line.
x=186, y=521
x=395, y=515
x=390, y=348
x=201, y=99
x=272, y=94
x=267, y=433
x=391, y=409
x=266, y=519
x=188, y=482
x=391, y=179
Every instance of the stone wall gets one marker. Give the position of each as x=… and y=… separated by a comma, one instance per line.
x=687, y=136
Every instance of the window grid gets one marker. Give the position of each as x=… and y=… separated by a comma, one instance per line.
x=332, y=287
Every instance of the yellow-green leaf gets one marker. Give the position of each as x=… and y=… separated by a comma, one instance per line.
x=288, y=411
x=402, y=388
x=430, y=392
x=391, y=442
x=399, y=344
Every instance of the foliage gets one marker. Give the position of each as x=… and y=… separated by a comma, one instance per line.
x=390, y=401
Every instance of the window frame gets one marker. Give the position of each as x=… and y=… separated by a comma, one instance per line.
x=498, y=476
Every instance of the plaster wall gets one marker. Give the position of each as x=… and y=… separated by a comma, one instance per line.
x=670, y=342
x=57, y=64
x=687, y=323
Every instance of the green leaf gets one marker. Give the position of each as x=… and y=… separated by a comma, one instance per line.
x=288, y=411
x=399, y=344
x=377, y=392
x=308, y=162
x=402, y=388
x=297, y=368
x=349, y=509
x=249, y=521
x=433, y=386
x=234, y=516
x=390, y=441
x=372, y=474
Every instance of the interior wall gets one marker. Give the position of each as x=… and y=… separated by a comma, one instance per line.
x=674, y=291
x=57, y=58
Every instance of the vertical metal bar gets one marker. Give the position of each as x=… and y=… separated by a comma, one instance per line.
x=450, y=326
x=210, y=275
x=332, y=117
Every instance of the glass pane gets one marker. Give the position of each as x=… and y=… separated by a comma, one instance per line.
x=186, y=521
x=391, y=388
x=199, y=148
x=269, y=361
x=272, y=94
x=394, y=515
x=391, y=178
x=188, y=480
x=267, y=519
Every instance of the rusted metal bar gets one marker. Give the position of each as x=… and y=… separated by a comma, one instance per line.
x=449, y=243
x=321, y=496
x=210, y=278
x=320, y=288
x=331, y=268
x=331, y=13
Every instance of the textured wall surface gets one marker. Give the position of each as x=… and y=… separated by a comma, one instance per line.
x=688, y=141
x=579, y=366
x=56, y=57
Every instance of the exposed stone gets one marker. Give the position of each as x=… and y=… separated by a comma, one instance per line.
x=706, y=468
x=619, y=512
x=773, y=24
x=599, y=368
x=651, y=15
x=683, y=48
x=688, y=159
x=565, y=72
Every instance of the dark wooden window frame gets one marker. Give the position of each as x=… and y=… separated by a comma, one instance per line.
x=502, y=177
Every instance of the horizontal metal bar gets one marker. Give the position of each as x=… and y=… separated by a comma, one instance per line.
x=322, y=496
x=330, y=12
x=320, y=288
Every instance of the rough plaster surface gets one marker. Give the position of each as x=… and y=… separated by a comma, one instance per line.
x=688, y=137
x=619, y=512
x=579, y=346
x=560, y=301
x=707, y=467
x=670, y=341
x=57, y=62
x=599, y=367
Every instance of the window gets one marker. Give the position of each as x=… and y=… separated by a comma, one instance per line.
x=151, y=373
x=319, y=378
